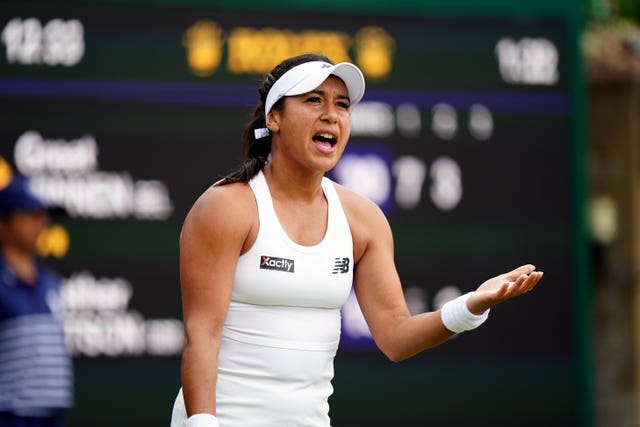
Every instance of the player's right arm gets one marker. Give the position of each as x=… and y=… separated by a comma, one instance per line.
x=213, y=236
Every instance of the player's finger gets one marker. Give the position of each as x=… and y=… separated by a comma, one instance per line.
x=519, y=282
x=523, y=284
x=533, y=280
x=503, y=289
x=530, y=282
x=523, y=269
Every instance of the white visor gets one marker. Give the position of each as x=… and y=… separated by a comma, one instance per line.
x=306, y=77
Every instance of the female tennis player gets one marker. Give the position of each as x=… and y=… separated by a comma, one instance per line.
x=269, y=254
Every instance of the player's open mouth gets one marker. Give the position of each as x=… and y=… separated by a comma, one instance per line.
x=325, y=139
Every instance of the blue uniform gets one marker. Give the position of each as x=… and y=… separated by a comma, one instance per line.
x=36, y=377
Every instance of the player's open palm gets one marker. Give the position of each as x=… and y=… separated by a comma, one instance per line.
x=503, y=287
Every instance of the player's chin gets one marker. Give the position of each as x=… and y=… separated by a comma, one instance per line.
x=324, y=168
x=326, y=161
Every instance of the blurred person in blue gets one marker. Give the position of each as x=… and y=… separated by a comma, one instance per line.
x=36, y=376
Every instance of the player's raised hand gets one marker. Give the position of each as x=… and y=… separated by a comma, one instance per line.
x=503, y=287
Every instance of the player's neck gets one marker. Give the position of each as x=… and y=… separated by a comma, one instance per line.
x=294, y=185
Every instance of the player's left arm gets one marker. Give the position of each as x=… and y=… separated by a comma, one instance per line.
x=397, y=333
x=377, y=285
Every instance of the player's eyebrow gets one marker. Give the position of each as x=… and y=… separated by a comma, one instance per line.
x=324, y=93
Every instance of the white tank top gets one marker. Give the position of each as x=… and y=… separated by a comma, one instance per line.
x=283, y=325
x=282, y=329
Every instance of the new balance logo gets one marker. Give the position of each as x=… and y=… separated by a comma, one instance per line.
x=279, y=264
x=341, y=265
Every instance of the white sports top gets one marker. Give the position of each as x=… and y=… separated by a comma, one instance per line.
x=282, y=329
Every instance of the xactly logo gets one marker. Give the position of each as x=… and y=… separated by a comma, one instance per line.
x=341, y=265
x=279, y=264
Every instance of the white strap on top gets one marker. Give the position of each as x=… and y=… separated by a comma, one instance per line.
x=269, y=219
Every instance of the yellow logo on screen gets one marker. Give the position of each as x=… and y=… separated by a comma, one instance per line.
x=6, y=175
x=374, y=52
x=257, y=51
x=204, y=44
x=54, y=241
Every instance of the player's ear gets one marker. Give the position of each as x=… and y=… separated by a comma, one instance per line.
x=273, y=120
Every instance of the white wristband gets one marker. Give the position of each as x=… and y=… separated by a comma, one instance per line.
x=202, y=420
x=457, y=317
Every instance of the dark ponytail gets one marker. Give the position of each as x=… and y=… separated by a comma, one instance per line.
x=256, y=151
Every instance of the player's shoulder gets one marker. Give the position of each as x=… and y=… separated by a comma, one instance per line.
x=223, y=204
x=358, y=207
x=225, y=197
x=369, y=225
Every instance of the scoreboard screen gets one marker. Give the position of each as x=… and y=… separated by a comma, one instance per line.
x=468, y=138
